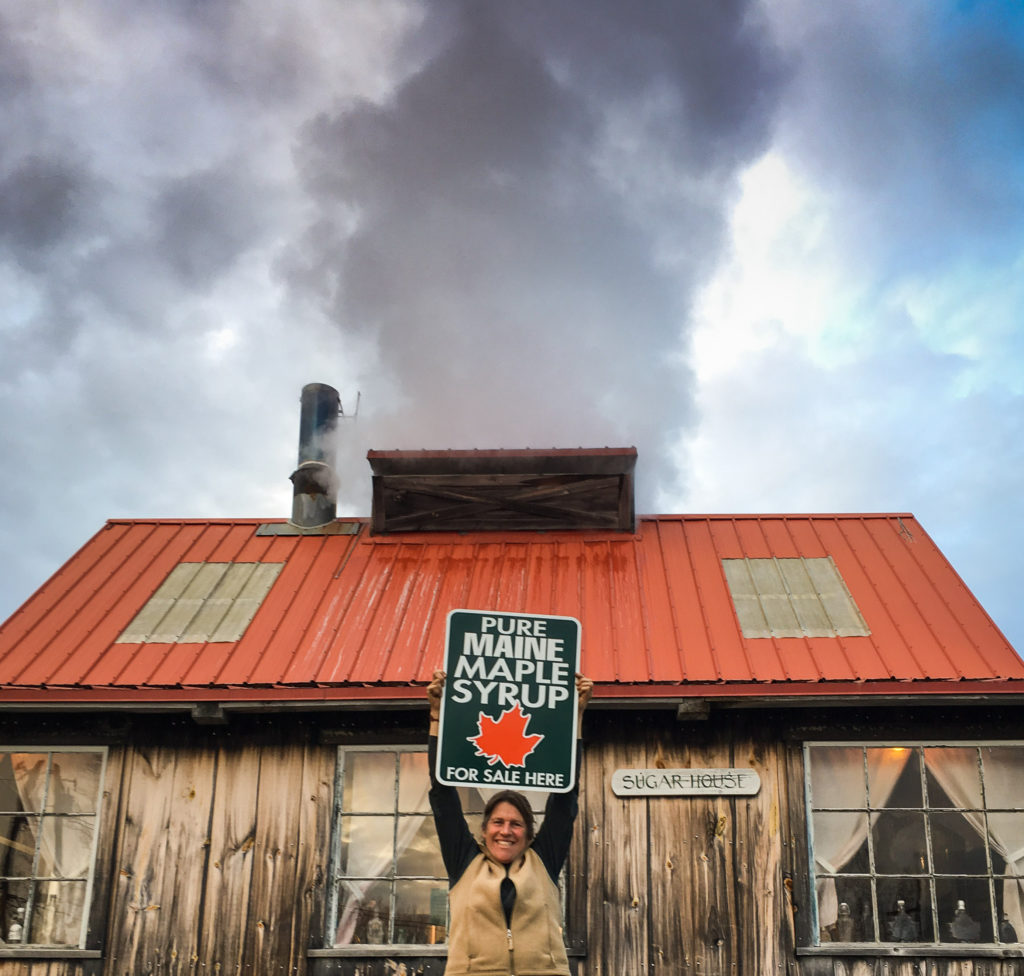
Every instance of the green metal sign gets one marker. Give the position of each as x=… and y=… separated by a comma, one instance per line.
x=508, y=712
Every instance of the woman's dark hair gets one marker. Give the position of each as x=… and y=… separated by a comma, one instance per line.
x=518, y=801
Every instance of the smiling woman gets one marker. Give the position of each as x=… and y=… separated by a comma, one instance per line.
x=507, y=884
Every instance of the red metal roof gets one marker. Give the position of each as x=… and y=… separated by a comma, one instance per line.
x=358, y=616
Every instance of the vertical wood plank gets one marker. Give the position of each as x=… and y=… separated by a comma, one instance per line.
x=291, y=840
x=761, y=909
x=618, y=888
x=712, y=825
x=232, y=839
x=671, y=859
x=155, y=924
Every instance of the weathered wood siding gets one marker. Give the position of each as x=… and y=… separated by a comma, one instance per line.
x=681, y=884
x=709, y=886
x=215, y=846
x=221, y=853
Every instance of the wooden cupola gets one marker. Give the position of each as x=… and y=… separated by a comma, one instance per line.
x=469, y=491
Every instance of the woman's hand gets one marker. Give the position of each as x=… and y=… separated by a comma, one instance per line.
x=434, y=698
x=584, y=689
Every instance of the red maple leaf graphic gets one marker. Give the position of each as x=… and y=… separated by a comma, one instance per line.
x=504, y=739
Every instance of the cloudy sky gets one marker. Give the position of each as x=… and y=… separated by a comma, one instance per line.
x=777, y=246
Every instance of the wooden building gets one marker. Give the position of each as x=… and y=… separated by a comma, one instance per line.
x=805, y=753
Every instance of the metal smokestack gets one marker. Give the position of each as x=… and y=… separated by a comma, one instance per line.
x=315, y=495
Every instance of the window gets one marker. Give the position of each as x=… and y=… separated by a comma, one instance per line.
x=49, y=805
x=917, y=843
x=792, y=598
x=389, y=883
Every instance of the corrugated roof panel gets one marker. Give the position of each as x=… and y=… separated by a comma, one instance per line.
x=810, y=586
x=316, y=656
x=165, y=665
x=831, y=658
x=596, y=606
x=841, y=615
x=921, y=647
x=951, y=653
x=787, y=597
x=730, y=653
x=350, y=612
x=106, y=670
x=690, y=631
x=47, y=602
x=746, y=601
x=296, y=652
x=66, y=640
x=237, y=604
x=182, y=605
x=289, y=612
x=850, y=560
x=661, y=634
x=385, y=634
x=146, y=622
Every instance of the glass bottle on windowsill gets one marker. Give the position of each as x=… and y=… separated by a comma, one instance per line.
x=16, y=933
x=375, y=930
x=902, y=927
x=963, y=928
x=1007, y=933
x=844, y=924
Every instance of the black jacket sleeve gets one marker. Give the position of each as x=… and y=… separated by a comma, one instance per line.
x=458, y=847
x=555, y=835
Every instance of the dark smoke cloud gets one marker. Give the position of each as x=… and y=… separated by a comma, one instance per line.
x=524, y=274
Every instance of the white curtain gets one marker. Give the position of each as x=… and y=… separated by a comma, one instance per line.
x=956, y=770
x=375, y=865
x=66, y=842
x=838, y=836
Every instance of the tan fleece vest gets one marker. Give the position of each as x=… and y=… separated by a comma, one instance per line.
x=479, y=942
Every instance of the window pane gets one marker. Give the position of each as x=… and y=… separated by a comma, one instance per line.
x=18, y=847
x=10, y=799
x=472, y=800
x=369, y=782
x=13, y=905
x=57, y=911
x=1006, y=836
x=957, y=776
x=364, y=913
x=420, y=909
x=894, y=777
x=367, y=846
x=840, y=841
x=29, y=779
x=837, y=776
x=956, y=846
x=904, y=905
x=420, y=855
x=856, y=916
x=965, y=910
x=66, y=847
x=74, y=782
x=413, y=783
x=1004, y=777
x=899, y=842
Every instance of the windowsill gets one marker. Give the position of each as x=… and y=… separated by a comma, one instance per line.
x=390, y=951
x=378, y=951
x=914, y=951
x=9, y=951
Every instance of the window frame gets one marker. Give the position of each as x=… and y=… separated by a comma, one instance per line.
x=85, y=946
x=404, y=950
x=334, y=873
x=812, y=944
